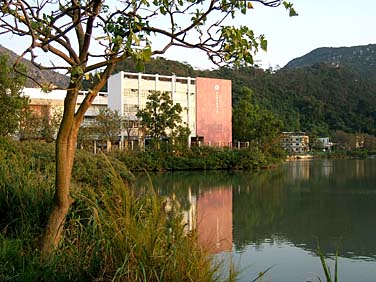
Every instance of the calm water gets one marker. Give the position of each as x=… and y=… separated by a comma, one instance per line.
x=276, y=218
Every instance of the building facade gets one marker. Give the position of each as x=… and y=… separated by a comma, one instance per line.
x=206, y=103
x=214, y=111
x=295, y=142
x=324, y=143
x=54, y=101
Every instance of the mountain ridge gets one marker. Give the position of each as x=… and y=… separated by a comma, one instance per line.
x=361, y=58
x=43, y=76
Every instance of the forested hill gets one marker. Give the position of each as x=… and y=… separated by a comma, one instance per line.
x=359, y=58
x=317, y=99
x=158, y=65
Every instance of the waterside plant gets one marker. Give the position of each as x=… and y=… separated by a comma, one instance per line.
x=110, y=235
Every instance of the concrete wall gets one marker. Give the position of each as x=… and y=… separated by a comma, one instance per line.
x=115, y=87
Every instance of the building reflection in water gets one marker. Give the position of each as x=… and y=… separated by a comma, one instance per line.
x=211, y=213
x=360, y=168
x=327, y=168
x=189, y=218
x=308, y=169
x=299, y=170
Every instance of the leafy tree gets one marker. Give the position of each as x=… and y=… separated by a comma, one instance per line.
x=252, y=123
x=105, y=127
x=12, y=103
x=86, y=137
x=86, y=36
x=161, y=118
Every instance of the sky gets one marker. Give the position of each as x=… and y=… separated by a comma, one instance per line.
x=321, y=23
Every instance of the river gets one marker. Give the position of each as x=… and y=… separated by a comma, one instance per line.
x=277, y=218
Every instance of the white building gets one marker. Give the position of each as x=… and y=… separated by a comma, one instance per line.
x=54, y=101
x=206, y=103
x=324, y=143
x=128, y=92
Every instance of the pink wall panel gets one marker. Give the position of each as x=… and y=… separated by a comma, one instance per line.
x=214, y=110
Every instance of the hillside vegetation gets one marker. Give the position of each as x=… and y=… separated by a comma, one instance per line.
x=361, y=59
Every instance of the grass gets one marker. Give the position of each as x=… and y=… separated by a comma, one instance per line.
x=325, y=267
x=111, y=234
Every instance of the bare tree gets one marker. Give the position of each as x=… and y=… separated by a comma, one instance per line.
x=82, y=36
x=108, y=125
x=130, y=124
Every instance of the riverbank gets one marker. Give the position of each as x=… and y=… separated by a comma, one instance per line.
x=199, y=158
x=338, y=154
x=300, y=157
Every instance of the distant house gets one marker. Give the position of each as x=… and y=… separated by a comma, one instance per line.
x=324, y=143
x=359, y=141
x=295, y=142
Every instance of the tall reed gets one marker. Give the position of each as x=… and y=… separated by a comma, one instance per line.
x=134, y=238
x=325, y=267
x=111, y=234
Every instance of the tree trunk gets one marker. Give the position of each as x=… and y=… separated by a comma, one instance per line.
x=64, y=150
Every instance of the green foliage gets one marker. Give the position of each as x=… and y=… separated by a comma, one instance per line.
x=105, y=127
x=12, y=103
x=24, y=213
x=161, y=118
x=344, y=140
x=87, y=165
x=86, y=137
x=198, y=158
x=40, y=156
x=360, y=59
x=252, y=123
x=241, y=44
x=158, y=65
x=318, y=100
x=290, y=8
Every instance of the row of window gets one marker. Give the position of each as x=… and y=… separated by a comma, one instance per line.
x=145, y=93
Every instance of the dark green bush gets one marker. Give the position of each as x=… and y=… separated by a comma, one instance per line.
x=197, y=158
